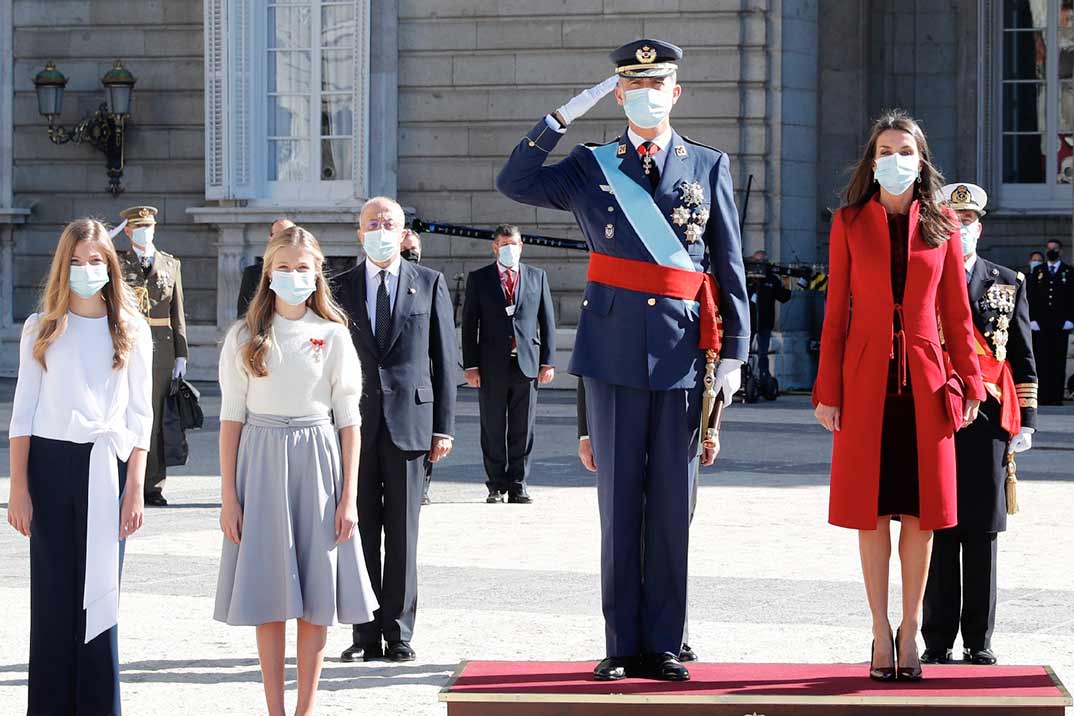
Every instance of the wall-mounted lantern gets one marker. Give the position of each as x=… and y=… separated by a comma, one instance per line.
x=103, y=129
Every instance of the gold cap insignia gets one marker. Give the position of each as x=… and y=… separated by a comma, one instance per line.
x=961, y=195
x=646, y=55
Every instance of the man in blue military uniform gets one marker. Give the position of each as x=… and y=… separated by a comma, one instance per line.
x=658, y=213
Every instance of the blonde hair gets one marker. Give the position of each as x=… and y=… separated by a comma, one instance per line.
x=56, y=298
x=258, y=321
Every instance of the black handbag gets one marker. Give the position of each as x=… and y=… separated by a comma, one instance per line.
x=176, y=450
x=190, y=413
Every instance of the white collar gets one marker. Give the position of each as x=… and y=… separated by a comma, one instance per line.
x=147, y=253
x=662, y=140
x=504, y=269
x=1054, y=264
x=372, y=270
x=971, y=262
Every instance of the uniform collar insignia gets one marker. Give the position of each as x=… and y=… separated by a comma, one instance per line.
x=680, y=150
x=621, y=151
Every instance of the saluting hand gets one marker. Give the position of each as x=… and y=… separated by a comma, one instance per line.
x=584, y=101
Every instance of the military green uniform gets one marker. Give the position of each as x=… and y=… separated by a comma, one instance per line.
x=159, y=291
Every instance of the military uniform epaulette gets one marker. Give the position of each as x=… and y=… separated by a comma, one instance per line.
x=699, y=144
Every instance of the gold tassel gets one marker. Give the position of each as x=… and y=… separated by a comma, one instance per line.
x=1012, y=485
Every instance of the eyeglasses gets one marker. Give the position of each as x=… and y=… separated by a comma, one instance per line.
x=388, y=224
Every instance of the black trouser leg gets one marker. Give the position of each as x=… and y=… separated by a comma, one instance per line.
x=943, y=598
x=66, y=675
x=370, y=527
x=492, y=401
x=978, y=589
x=404, y=475
x=521, y=414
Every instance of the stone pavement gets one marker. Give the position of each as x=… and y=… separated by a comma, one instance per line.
x=770, y=580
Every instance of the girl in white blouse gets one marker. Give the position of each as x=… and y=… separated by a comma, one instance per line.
x=80, y=428
x=288, y=371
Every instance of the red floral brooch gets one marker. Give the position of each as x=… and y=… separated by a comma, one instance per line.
x=318, y=347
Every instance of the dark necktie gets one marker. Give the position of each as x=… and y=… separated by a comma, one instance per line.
x=648, y=151
x=384, y=313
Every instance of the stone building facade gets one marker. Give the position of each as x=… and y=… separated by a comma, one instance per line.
x=245, y=110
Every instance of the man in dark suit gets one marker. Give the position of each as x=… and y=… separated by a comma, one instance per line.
x=961, y=591
x=508, y=347
x=1051, y=308
x=401, y=323
x=251, y=275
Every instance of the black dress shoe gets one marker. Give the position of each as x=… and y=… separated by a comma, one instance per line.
x=520, y=498
x=363, y=652
x=614, y=668
x=980, y=657
x=687, y=654
x=400, y=651
x=494, y=497
x=665, y=667
x=155, y=499
x=936, y=656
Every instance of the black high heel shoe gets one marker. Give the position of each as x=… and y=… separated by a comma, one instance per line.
x=881, y=673
x=906, y=673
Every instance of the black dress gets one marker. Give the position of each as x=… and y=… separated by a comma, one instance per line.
x=899, y=493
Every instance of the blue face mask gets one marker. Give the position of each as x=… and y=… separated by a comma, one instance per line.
x=87, y=280
x=647, y=108
x=897, y=172
x=1034, y=264
x=381, y=245
x=293, y=287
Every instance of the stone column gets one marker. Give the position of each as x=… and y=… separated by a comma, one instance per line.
x=7, y=277
x=229, y=264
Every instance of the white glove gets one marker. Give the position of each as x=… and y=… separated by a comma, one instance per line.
x=584, y=102
x=728, y=378
x=1033, y=325
x=1022, y=441
x=179, y=370
x=1068, y=326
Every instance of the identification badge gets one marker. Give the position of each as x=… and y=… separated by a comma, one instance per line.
x=509, y=310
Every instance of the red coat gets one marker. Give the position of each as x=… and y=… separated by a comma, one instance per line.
x=856, y=347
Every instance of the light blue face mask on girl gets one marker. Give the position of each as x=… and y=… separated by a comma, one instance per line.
x=293, y=287
x=896, y=172
x=87, y=280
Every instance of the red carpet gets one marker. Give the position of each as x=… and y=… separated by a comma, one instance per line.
x=803, y=680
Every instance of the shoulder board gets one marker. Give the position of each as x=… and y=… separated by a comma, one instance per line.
x=699, y=144
x=166, y=255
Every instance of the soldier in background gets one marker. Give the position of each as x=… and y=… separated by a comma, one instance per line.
x=156, y=279
x=961, y=589
x=1051, y=308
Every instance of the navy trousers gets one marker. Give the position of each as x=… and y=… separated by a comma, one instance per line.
x=67, y=677
x=644, y=443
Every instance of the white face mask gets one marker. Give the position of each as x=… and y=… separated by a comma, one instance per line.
x=897, y=172
x=969, y=234
x=381, y=245
x=87, y=279
x=293, y=287
x=509, y=254
x=142, y=236
x=647, y=107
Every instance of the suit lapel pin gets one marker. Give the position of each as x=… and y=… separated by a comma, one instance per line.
x=680, y=151
x=412, y=290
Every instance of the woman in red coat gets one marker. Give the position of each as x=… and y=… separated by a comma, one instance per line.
x=896, y=271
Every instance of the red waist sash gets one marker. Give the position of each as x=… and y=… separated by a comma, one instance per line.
x=997, y=374
x=646, y=277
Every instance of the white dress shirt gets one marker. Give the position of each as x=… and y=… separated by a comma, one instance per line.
x=145, y=254
x=663, y=140
x=372, y=285
x=970, y=263
x=81, y=398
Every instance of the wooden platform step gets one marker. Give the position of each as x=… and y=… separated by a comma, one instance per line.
x=500, y=688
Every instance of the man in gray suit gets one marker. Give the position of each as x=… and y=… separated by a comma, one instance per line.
x=401, y=323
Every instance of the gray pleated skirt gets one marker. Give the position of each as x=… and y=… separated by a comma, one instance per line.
x=287, y=564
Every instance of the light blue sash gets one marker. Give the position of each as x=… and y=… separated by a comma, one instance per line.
x=641, y=211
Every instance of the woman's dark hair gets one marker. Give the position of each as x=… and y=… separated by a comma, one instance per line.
x=936, y=223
